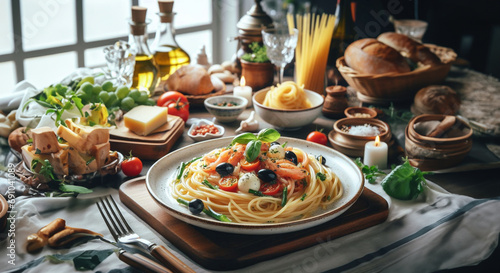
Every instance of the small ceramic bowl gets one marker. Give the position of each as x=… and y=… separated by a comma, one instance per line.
x=225, y=113
x=288, y=119
x=4, y=207
x=360, y=112
x=437, y=153
x=200, y=137
x=354, y=145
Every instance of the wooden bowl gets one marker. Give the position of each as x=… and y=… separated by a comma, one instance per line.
x=396, y=87
x=360, y=112
x=353, y=145
x=433, y=153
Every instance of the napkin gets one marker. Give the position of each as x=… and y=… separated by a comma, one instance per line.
x=437, y=231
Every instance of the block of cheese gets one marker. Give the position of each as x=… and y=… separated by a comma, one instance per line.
x=59, y=160
x=73, y=139
x=144, y=119
x=45, y=140
x=80, y=163
x=29, y=154
x=93, y=135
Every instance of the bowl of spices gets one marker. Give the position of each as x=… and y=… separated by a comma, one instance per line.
x=360, y=112
x=205, y=129
x=226, y=108
x=349, y=135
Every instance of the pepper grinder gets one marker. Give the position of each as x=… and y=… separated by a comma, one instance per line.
x=335, y=101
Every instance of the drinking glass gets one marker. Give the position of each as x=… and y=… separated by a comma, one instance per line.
x=280, y=45
x=414, y=29
x=120, y=59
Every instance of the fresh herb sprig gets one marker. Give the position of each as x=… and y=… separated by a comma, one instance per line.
x=258, y=55
x=254, y=142
x=371, y=172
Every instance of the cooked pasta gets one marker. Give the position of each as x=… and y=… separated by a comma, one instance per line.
x=309, y=184
x=287, y=96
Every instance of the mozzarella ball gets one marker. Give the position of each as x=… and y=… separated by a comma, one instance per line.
x=276, y=152
x=248, y=181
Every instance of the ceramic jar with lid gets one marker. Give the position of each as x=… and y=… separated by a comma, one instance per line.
x=335, y=101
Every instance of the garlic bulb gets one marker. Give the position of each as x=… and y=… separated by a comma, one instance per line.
x=248, y=125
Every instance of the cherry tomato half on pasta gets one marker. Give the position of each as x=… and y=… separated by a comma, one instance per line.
x=229, y=183
x=250, y=166
x=269, y=188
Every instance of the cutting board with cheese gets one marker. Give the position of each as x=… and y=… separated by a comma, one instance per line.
x=153, y=144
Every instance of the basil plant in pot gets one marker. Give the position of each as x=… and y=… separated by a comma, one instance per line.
x=256, y=67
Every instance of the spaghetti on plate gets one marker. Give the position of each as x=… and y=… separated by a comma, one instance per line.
x=281, y=184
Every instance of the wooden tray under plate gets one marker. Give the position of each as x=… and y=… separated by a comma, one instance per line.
x=224, y=251
x=150, y=147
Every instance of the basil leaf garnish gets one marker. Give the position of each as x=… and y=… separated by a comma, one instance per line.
x=253, y=150
x=268, y=135
x=244, y=138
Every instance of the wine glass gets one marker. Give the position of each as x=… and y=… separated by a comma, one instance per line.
x=280, y=44
x=120, y=58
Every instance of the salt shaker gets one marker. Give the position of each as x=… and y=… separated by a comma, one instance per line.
x=335, y=101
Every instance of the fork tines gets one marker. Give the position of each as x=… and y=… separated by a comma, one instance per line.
x=112, y=216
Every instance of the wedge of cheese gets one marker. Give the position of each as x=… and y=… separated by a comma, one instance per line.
x=81, y=137
x=45, y=140
x=80, y=163
x=59, y=160
x=144, y=119
x=100, y=152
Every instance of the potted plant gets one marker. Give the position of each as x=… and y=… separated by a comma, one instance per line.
x=256, y=67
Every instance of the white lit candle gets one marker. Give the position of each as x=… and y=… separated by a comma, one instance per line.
x=244, y=91
x=376, y=154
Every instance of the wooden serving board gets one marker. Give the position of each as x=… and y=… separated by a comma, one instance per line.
x=150, y=147
x=224, y=251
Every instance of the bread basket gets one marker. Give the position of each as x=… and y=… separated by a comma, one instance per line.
x=394, y=87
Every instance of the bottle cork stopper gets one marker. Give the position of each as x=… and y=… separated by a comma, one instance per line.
x=166, y=6
x=139, y=14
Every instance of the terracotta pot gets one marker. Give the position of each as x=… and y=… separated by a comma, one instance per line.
x=335, y=101
x=257, y=75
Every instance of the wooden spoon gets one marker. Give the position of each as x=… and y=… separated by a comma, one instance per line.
x=442, y=127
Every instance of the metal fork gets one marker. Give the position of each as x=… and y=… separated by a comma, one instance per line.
x=124, y=234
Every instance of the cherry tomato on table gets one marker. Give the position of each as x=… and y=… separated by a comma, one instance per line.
x=229, y=183
x=172, y=96
x=317, y=137
x=178, y=108
x=131, y=166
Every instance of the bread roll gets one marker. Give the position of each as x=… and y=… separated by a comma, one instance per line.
x=436, y=99
x=190, y=79
x=409, y=48
x=373, y=57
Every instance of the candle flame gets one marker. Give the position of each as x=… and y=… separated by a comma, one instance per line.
x=377, y=141
x=242, y=82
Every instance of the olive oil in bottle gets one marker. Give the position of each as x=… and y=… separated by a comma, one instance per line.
x=168, y=55
x=145, y=70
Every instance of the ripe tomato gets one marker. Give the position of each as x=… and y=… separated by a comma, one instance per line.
x=317, y=137
x=178, y=108
x=171, y=96
x=131, y=166
x=270, y=188
x=250, y=166
x=229, y=183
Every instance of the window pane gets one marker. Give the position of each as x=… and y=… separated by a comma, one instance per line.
x=46, y=70
x=48, y=23
x=105, y=19
x=8, y=72
x=6, y=35
x=192, y=43
x=94, y=57
x=189, y=13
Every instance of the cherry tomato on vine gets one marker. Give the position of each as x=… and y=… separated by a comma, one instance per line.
x=131, y=166
x=172, y=96
x=178, y=108
x=317, y=137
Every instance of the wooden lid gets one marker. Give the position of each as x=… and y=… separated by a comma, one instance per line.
x=139, y=14
x=138, y=23
x=166, y=6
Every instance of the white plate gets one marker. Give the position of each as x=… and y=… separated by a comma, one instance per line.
x=164, y=169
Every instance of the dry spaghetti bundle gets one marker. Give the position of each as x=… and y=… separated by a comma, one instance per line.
x=313, y=45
